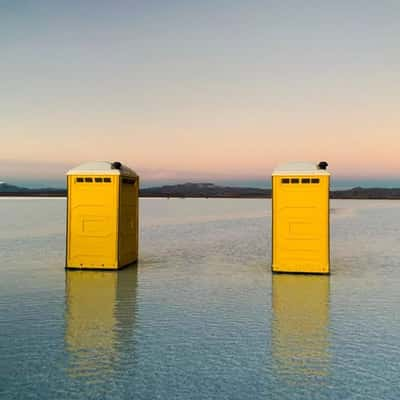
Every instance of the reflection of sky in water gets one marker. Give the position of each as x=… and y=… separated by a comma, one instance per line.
x=201, y=316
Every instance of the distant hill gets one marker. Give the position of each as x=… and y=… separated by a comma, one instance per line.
x=6, y=188
x=211, y=190
x=367, y=193
x=205, y=190
x=12, y=190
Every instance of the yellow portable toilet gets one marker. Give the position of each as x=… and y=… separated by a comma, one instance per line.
x=102, y=216
x=300, y=218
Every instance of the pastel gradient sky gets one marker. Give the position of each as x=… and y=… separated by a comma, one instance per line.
x=194, y=90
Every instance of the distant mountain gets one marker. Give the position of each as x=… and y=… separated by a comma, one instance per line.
x=367, y=193
x=6, y=188
x=205, y=190
x=12, y=190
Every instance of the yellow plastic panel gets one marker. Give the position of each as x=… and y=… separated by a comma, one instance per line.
x=300, y=341
x=128, y=220
x=300, y=224
x=92, y=224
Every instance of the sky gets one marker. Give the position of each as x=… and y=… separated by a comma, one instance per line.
x=219, y=90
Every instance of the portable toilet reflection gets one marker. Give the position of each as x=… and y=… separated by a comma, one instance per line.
x=300, y=326
x=100, y=319
x=102, y=216
x=300, y=218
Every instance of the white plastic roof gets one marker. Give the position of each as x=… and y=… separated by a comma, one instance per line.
x=299, y=168
x=100, y=168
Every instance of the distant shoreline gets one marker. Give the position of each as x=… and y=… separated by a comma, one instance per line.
x=208, y=190
x=232, y=193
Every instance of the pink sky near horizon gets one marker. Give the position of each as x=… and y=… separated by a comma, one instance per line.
x=246, y=146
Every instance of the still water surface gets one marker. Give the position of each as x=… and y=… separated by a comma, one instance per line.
x=201, y=316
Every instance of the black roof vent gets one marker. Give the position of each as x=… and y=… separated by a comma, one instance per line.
x=322, y=165
x=116, y=165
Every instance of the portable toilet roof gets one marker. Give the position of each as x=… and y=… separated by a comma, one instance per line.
x=301, y=168
x=102, y=168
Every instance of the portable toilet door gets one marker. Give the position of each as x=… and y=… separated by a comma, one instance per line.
x=300, y=218
x=102, y=216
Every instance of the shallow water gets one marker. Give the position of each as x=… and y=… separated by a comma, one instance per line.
x=201, y=316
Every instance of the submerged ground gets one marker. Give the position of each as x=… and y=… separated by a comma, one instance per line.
x=201, y=316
